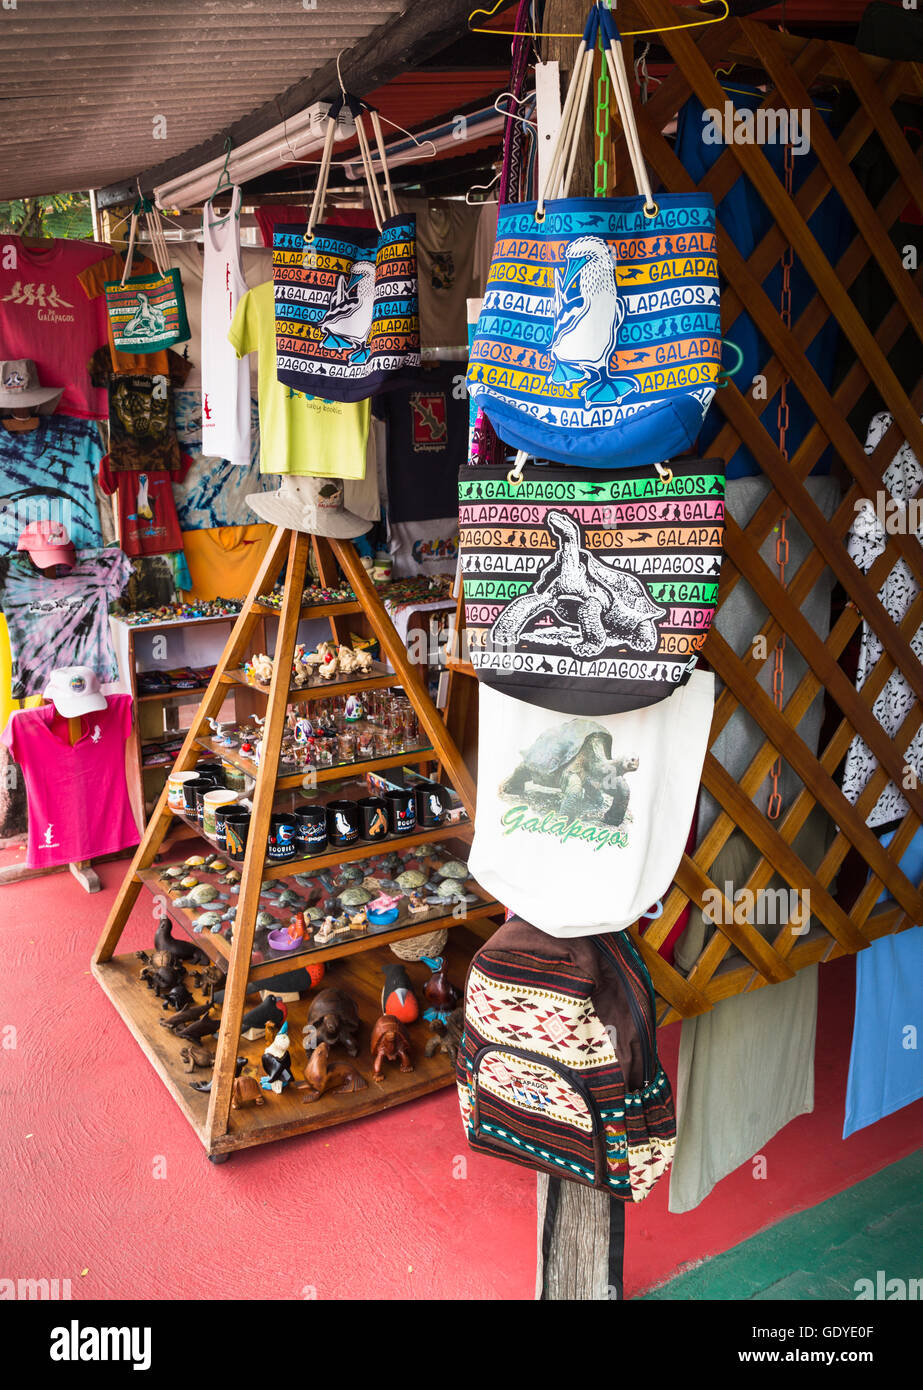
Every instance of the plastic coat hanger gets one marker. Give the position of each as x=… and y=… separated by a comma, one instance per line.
x=626, y=33
x=224, y=181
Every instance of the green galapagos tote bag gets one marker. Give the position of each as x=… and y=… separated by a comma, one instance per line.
x=590, y=591
x=599, y=339
x=147, y=312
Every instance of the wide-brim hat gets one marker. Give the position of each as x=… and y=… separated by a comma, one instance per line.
x=312, y=505
x=20, y=388
x=74, y=690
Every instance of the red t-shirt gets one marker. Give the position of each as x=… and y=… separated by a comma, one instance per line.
x=148, y=524
x=46, y=316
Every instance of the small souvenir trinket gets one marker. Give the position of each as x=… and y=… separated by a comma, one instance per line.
x=397, y=996
x=333, y=1018
x=277, y=1063
x=389, y=1043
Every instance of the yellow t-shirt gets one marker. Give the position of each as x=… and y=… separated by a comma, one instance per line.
x=298, y=433
x=223, y=561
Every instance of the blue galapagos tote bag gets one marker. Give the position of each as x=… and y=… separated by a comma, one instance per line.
x=590, y=592
x=599, y=339
x=347, y=324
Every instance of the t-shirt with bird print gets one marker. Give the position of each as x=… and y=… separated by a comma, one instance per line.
x=148, y=522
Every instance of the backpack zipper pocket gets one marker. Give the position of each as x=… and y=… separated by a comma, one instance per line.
x=600, y=1167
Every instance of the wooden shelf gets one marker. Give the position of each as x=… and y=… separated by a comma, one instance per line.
x=363, y=849
x=352, y=961
x=286, y=1115
x=379, y=677
x=313, y=610
x=333, y=773
x=269, y=963
x=197, y=691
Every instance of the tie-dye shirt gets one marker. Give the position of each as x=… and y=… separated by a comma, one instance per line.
x=214, y=491
x=46, y=474
x=61, y=622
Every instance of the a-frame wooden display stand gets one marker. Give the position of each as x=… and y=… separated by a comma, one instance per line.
x=356, y=963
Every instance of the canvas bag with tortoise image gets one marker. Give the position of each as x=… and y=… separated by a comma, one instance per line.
x=590, y=592
x=582, y=822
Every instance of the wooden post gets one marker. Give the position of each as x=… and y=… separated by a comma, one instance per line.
x=569, y=17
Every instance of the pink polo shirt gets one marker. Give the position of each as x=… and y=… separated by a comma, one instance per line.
x=77, y=796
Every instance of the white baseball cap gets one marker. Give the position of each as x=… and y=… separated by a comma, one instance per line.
x=74, y=690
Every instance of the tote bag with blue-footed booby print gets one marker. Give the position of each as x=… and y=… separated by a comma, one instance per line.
x=599, y=338
x=346, y=305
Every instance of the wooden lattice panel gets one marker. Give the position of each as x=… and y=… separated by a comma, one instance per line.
x=792, y=66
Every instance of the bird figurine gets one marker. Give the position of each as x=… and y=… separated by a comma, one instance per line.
x=439, y=993
x=588, y=313
x=347, y=323
x=397, y=996
x=277, y=1063
x=269, y=1010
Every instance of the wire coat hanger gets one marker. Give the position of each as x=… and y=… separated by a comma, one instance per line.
x=626, y=33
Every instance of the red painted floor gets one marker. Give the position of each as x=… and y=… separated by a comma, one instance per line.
x=106, y=1185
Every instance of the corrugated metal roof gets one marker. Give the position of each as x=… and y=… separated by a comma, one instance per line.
x=90, y=95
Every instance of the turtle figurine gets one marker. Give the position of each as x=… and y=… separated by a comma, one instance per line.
x=453, y=868
x=351, y=873
x=450, y=890
x=333, y=1018
x=410, y=879
x=209, y=920
x=203, y=893
x=571, y=769
x=355, y=896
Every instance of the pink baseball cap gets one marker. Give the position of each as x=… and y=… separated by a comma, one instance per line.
x=48, y=544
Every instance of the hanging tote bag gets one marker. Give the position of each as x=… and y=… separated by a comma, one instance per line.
x=590, y=592
x=347, y=324
x=147, y=312
x=599, y=339
x=582, y=823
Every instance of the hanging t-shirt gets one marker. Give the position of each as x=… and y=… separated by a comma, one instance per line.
x=225, y=377
x=885, y=1065
x=446, y=233
x=298, y=433
x=65, y=823
x=93, y=280
x=424, y=547
x=46, y=474
x=61, y=622
x=148, y=524
x=142, y=430
x=188, y=257
x=272, y=215
x=427, y=442
x=214, y=492
x=223, y=562
x=46, y=316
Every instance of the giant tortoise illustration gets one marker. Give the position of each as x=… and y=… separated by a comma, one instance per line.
x=611, y=606
x=575, y=760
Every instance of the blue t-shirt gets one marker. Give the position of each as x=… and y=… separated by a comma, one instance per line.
x=46, y=474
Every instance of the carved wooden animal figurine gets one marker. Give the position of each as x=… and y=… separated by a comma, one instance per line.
x=209, y=979
x=332, y=1018
x=193, y=1057
x=184, y=1016
x=160, y=980
x=164, y=940
x=269, y=1010
x=390, y=1043
x=318, y=1076
x=277, y=1063
x=448, y=1041
x=246, y=1091
x=177, y=998
x=439, y=993
x=201, y=1028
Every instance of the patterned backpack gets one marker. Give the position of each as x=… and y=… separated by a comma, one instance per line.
x=557, y=1068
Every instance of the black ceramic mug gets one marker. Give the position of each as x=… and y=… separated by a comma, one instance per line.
x=194, y=790
x=312, y=829
x=431, y=801
x=401, y=813
x=221, y=815
x=282, y=842
x=373, y=817
x=342, y=823
x=236, y=830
